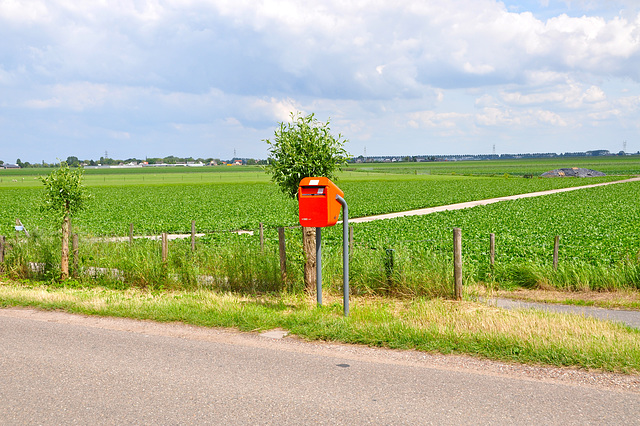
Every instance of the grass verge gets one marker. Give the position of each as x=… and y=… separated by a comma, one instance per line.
x=422, y=324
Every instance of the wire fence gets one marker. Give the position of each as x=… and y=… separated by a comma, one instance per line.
x=385, y=260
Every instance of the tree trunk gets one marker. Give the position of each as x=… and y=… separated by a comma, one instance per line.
x=309, y=246
x=64, y=263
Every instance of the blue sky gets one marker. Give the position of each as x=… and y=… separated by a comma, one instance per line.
x=202, y=78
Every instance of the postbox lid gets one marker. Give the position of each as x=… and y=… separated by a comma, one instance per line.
x=315, y=181
x=321, y=181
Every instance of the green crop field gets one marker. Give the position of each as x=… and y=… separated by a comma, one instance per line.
x=597, y=226
x=243, y=200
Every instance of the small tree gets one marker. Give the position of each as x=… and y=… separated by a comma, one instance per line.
x=73, y=161
x=65, y=196
x=303, y=148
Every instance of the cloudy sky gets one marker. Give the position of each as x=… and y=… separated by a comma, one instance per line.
x=205, y=78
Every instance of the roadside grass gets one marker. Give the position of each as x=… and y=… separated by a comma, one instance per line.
x=230, y=262
x=438, y=325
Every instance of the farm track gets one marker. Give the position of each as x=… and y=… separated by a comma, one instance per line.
x=170, y=237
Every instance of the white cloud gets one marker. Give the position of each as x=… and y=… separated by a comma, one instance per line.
x=23, y=11
x=549, y=117
x=440, y=120
x=5, y=77
x=570, y=95
x=379, y=68
x=594, y=94
x=308, y=40
x=519, y=118
x=478, y=69
x=544, y=78
x=120, y=135
x=629, y=103
x=604, y=115
x=495, y=117
x=76, y=96
x=275, y=109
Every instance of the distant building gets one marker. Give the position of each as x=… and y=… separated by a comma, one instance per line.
x=598, y=152
x=11, y=166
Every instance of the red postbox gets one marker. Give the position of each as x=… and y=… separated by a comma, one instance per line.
x=317, y=202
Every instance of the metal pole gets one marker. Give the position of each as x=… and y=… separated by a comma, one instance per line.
x=457, y=263
x=345, y=253
x=319, y=265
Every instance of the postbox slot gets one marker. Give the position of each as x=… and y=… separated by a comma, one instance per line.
x=311, y=191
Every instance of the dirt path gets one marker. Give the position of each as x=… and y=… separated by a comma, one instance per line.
x=459, y=206
x=170, y=237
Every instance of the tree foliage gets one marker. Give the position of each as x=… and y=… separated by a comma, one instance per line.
x=64, y=193
x=73, y=161
x=65, y=196
x=302, y=148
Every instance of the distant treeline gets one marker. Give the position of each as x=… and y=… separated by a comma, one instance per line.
x=104, y=161
x=471, y=157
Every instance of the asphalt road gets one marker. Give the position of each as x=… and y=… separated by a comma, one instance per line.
x=57, y=368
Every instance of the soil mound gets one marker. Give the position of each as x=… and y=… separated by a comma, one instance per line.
x=573, y=172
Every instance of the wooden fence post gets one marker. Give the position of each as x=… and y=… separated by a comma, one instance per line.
x=261, y=238
x=2, y=244
x=165, y=247
x=131, y=233
x=492, y=249
x=389, y=265
x=457, y=262
x=283, y=254
x=556, y=247
x=193, y=235
x=76, y=254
